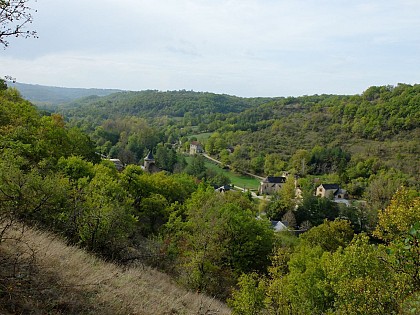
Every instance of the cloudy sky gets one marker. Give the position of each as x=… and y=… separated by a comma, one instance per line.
x=237, y=47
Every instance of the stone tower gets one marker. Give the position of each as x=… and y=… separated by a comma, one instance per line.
x=149, y=162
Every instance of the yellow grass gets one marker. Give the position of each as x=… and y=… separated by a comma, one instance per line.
x=39, y=274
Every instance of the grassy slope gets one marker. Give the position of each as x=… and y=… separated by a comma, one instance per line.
x=39, y=274
x=236, y=179
x=201, y=137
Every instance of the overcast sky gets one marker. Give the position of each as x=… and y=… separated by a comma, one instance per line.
x=237, y=47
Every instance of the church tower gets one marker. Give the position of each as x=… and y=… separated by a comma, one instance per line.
x=149, y=162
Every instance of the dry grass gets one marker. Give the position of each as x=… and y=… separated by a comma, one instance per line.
x=39, y=274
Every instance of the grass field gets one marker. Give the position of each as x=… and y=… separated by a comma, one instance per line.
x=243, y=181
x=201, y=136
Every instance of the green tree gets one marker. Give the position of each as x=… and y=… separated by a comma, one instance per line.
x=274, y=165
x=220, y=240
x=166, y=158
x=28, y=194
x=3, y=85
x=362, y=281
x=299, y=161
x=402, y=213
x=316, y=210
x=248, y=299
x=330, y=235
x=152, y=213
x=76, y=167
x=196, y=167
x=106, y=222
x=307, y=289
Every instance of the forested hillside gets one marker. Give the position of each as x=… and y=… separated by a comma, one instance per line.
x=355, y=138
x=154, y=104
x=356, y=259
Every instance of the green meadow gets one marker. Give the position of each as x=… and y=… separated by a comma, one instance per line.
x=236, y=179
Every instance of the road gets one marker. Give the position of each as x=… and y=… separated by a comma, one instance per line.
x=218, y=162
x=253, y=194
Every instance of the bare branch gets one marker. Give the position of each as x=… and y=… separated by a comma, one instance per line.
x=14, y=17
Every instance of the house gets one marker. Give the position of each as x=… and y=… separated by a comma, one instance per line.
x=149, y=164
x=332, y=191
x=271, y=184
x=278, y=226
x=298, y=193
x=196, y=147
x=223, y=188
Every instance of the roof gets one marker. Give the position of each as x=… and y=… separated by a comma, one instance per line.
x=275, y=179
x=118, y=164
x=223, y=188
x=278, y=226
x=196, y=143
x=330, y=186
x=149, y=156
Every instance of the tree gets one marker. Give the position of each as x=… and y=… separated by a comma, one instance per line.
x=14, y=17
x=248, y=299
x=219, y=240
x=299, y=161
x=106, y=221
x=196, y=167
x=399, y=216
x=75, y=167
x=316, y=210
x=152, y=213
x=362, y=281
x=329, y=235
x=165, y=158
x=3, y=85
x=274, y=165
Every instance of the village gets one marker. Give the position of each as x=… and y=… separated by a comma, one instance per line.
x=269, y=186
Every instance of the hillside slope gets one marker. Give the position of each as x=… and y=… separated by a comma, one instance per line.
x=41, y=94
x=39, y=274
x=152, y=103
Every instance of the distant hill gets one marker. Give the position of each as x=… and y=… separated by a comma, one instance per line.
x=51, y=95
x=153, y=103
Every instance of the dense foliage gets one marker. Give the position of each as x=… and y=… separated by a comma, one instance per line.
x=52, y=175
x=329, y=271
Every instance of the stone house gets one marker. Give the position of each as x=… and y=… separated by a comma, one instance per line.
x=196, y=147
x=271, y=184
x=332, y=191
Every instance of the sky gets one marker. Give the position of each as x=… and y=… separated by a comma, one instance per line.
x=239, y=47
